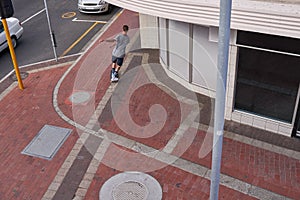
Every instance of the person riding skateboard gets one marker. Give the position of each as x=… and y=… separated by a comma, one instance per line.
x=118, y=53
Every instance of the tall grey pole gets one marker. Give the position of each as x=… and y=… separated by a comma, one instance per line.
x=223, y=49
x=51, y=33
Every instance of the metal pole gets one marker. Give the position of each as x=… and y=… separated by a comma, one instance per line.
x=223, y=49
x=12, y=53
x=51, y=33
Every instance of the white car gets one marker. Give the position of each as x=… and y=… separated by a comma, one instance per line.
x=93, y=6
x=15, y=30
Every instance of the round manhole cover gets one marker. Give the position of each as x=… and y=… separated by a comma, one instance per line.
x=131, y=186
x=79, y=97
x=130, y=190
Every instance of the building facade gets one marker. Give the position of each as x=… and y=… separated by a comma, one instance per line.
x=263, y=84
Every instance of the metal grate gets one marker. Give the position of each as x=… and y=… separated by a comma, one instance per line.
x=131, y=186
x=130, y=190
x=47, y=142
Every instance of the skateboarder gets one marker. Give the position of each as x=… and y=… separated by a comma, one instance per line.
x=118, y=52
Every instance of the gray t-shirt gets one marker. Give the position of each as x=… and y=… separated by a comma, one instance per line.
x=122, y=41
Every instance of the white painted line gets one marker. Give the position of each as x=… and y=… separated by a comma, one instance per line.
x=90, y=21
x=45, y=61
x=7, y=75
x=29, y=18
x=7, y=90
x=50, y=67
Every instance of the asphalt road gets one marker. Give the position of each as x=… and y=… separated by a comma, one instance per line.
x=73, y=30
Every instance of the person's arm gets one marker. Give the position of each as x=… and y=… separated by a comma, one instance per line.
x=109, y=40
x=114, y=40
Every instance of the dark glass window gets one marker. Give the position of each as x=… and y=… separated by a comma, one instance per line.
x=265, y=41
x=267, y=83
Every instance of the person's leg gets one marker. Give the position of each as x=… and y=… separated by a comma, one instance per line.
x=113, y=66
x=119, y=63
x=114, y=60
x=117, y=68
x=116, y=72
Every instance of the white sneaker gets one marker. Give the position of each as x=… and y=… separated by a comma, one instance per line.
x=112, y=77
x=115, y=79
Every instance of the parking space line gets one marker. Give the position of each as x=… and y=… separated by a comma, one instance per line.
x=29, y=18
x=81, y=20
x=78, y=40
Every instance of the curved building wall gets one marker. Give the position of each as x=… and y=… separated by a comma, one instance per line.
x=186, y=33
x=189, y=54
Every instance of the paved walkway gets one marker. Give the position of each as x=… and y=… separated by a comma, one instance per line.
x=145, y=122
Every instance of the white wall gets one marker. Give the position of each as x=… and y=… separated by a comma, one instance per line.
x=163, y=40
x=179, y=48
x=190, y=55
x=204, y=58
x=148, y=31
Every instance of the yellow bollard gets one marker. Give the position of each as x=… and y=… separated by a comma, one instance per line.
x=12, y=53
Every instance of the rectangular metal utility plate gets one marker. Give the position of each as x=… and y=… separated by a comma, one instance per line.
x=47, y=142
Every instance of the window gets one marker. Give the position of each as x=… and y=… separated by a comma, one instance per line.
x=267, y=82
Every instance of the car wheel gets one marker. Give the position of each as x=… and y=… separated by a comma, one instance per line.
x=14, y=42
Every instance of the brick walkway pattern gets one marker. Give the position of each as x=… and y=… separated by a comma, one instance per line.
x=146, y=122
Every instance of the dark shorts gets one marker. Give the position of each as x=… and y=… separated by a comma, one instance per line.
x=117, y=60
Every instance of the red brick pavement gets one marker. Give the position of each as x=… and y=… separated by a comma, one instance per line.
x=253, y=165
x=142, y=99
x=23, y=114
x=175, y=183
x=262, y=168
